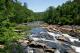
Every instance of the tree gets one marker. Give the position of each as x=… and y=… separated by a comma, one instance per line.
x=65, y=14
x=49, y=15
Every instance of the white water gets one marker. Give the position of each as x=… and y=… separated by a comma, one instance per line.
x=72, y=39
x=53, y=34
x=43, y=39
x=77, y=49
x=57, y=51
x=30, y=50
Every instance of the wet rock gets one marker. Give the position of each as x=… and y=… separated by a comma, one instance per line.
x=71, y=51
x=62, y=38
x=37, y=45
x=76, y=43
x=23, y=42
x=38, y=50
x=30, y=49
x=50, y=50
x=51, y=42
x=74, y=34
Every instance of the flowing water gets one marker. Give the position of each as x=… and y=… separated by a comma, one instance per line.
x=50, y=39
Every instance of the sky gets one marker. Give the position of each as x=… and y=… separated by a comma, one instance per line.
x=42, y=5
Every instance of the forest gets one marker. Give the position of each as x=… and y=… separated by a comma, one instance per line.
x=12, y=13
x=66, y=14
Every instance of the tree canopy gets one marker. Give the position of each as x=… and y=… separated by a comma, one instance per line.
x=66, y=14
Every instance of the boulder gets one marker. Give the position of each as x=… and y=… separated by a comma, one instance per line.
x=62, y=38
x=49, y=50
x=37, y=45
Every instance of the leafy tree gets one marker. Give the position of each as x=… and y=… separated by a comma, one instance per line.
x=49, y=15
x=66, y=14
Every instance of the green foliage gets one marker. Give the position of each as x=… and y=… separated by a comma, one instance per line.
x=8, y=35
x=12, y=11
x=49, y=15
x=21, y=13
x=22, y=27
x=12, y=48
x=67, y=14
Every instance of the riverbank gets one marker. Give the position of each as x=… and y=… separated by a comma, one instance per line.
x=52, y=40
x=47, y=41
x=71, y=30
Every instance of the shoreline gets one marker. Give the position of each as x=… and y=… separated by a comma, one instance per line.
x=68, y=29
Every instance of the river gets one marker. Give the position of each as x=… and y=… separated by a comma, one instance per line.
x=61, y=43
x=41, y=35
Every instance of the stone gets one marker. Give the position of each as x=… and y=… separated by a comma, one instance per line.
x=49, y=50
x=2, y=46
x=37, y=44
x=62, y=38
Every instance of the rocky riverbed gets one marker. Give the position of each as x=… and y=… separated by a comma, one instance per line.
x=46, y=38
x=41, y=40
x=73, y=30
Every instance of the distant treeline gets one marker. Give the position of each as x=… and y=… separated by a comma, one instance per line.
x=14, y=11
x=66, y=14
